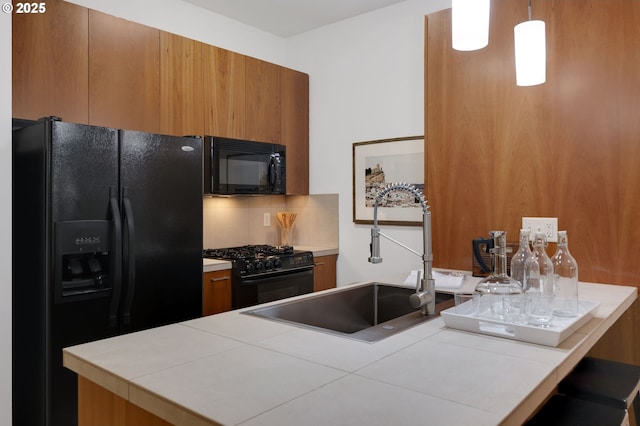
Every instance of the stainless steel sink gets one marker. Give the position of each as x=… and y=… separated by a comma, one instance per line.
x=368, y=312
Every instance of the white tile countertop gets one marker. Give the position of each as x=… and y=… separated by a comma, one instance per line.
x=210, y=265
x=238, y=369
x=318, y=250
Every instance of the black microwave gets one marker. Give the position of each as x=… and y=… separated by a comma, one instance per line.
x=237, y=167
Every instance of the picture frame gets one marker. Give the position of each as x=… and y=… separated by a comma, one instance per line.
x=385, y=161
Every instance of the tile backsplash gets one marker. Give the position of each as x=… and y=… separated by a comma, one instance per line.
x=236, y=221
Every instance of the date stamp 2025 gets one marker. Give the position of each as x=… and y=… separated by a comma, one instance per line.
x=25, y=8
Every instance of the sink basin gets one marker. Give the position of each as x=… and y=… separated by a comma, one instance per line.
x=368, y=312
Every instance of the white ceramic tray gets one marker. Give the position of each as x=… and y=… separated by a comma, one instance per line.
x=560, y=328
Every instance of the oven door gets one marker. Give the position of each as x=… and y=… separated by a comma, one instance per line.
x=267, y=288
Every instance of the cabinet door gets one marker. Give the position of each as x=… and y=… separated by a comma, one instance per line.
x=216, y=292
x=262, y=101
x=181, y=94
x=224, y=92
x=124, y=74
x=50, y=63
x=294, y=125
x=324, y=274
x=99, y=406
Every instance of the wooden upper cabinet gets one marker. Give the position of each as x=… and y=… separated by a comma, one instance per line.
x=89, y=67
x=247, y=98
x=50, y=63
x=124, y=74
x=262, y=98
x=181, y=93
x=294, y=127
x=224, y=92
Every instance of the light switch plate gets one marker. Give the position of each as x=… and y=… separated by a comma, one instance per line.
x=547, y=225
x=267, y=219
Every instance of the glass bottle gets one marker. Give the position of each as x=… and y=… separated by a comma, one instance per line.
x=498, y=284
x=538, y=269
x=538, y=280
x=565, y=269
x=520, y=257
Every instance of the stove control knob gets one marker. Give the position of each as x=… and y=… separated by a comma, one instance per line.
x=277, y=263
x=258, y=266
x=248, y=267
x=268, y=265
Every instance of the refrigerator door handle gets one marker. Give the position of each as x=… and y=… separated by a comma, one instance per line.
x=131, y=270
x=116, y=257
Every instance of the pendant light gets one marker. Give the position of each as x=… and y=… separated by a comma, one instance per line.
x=469, y=24
x=531, y=52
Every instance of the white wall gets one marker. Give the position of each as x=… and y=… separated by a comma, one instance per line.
x=366, y=83
x=5, y=218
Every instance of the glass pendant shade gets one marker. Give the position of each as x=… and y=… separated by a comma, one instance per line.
x=531, y=53
x=469, y=24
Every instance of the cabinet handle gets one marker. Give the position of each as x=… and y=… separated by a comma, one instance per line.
x=320, y=263
x=213, y=280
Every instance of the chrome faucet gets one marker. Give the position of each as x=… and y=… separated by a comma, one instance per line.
x=425, y=295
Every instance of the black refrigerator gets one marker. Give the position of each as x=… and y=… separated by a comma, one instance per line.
x=107, y=240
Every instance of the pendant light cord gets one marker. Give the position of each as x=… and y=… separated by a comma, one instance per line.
x=529, y=9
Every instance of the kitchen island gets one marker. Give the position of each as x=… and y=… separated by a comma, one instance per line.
x=233, y=368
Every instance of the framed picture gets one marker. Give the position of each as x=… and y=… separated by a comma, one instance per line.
x=379, y=163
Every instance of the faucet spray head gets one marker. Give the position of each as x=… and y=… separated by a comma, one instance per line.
x=374, y=247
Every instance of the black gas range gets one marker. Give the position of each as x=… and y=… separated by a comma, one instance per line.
x=264, y=273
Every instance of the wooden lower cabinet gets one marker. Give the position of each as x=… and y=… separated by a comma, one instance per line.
x=216, y=292
x=97, y=407
x=324, y=274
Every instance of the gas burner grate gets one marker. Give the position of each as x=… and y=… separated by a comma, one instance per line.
x=248, y=251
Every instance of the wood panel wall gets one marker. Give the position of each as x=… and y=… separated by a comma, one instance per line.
x=569, y=148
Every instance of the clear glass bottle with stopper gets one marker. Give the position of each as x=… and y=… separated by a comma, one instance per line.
x=565, y=269
x=538, y=281
x=538, y=270
x=520, y=257
x=498, y=284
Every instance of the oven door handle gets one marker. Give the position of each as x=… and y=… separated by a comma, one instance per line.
x=255, y=278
